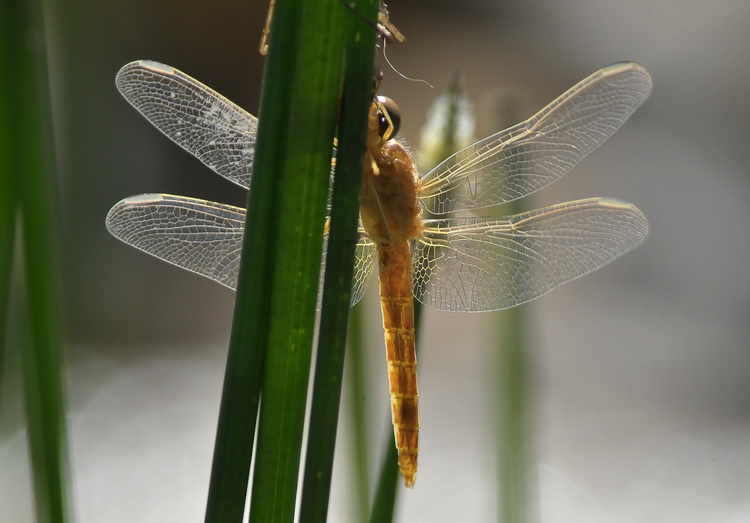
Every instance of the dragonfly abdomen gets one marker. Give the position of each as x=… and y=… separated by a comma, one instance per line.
x=397, y=305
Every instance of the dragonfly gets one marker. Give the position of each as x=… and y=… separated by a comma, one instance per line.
x=415, y=228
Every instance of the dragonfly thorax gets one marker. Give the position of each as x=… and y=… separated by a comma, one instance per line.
x=390, y=207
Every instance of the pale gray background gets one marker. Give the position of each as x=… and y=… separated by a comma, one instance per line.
x=640, y=371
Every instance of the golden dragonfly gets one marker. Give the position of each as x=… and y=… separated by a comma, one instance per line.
x=460, y=264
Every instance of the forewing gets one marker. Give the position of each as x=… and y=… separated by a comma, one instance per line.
x=200, y=120
x=526, y=157
x=479, y=264
x=200, y=236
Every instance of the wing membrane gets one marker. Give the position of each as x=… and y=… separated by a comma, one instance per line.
x=365, y=257
x=200, y=120
x=532, y=154
x=480, y=264
x=203, y=237
x=200, y=236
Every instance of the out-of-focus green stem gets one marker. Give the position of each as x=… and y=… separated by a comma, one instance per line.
x=8, y=197
x=384, y=502
x=513, y=403
x=32, y=164
x=357, y=394
x=514, y=472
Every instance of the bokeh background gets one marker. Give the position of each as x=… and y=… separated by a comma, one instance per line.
x=639, y=372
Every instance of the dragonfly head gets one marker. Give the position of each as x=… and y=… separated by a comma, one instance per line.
x=389, y=118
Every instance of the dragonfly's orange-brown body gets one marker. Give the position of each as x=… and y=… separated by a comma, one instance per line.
x=391, y=216
x=464, y=263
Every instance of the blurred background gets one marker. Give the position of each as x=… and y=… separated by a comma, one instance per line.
x=639, y=372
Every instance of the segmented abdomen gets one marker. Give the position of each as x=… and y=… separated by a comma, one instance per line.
x=397, y=304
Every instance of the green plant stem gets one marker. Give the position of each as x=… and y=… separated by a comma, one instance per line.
x=308, y=125
x=514, y=472
x=329, y=368
x=278, y=281
x=33, y=167
x=513, y=401
x=357, y=393
x=8, y=197
x=384, y=502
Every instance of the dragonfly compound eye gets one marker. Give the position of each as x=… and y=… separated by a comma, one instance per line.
x=390, y=118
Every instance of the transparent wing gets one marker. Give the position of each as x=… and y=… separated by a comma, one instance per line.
x=480, y=264
x=202, y=236
x=526, y=157
x=200, y=120
x=365, y=258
